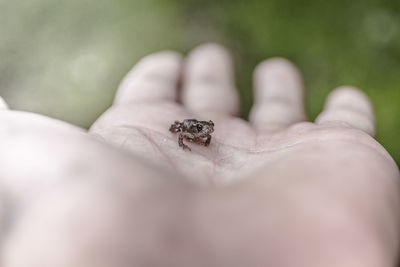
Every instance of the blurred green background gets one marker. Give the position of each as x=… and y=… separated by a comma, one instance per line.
x=66, y=58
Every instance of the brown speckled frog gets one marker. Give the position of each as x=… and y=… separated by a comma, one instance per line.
x=194, y=131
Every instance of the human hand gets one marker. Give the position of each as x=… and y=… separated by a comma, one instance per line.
x=149, y=101
x=311, y=191
x=333, y=166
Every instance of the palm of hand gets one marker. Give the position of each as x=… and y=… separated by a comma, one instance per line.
x=237, y=149
x=303, y=165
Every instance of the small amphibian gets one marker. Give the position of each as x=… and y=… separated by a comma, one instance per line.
x=194, y=131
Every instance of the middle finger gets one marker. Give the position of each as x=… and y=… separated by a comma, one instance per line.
x=209, y=82
x=278, y=96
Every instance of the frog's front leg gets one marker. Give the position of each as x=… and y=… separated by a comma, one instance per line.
x=181, y=144
x=208, y=140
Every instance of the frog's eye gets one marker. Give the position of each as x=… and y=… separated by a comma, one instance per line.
x=199, y=127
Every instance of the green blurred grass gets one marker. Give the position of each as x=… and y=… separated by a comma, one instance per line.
x=65, y=59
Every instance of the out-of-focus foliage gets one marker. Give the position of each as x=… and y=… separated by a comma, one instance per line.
x=65, y=58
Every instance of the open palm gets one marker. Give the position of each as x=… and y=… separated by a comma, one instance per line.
x=162, y=89
x=294, y=193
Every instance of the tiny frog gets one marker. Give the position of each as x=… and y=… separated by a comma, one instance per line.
x=194, y=131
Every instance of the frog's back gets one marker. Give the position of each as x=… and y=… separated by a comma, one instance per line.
x=189, y=122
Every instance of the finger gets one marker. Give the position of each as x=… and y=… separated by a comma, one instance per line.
x=278, y=100
x=209, y=82
x=350, y=105
x=155, y=77
x=3, y=104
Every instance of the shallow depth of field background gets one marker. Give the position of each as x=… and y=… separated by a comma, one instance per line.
x=66, y=58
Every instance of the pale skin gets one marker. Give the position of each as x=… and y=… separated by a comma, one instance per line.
x=272, y=191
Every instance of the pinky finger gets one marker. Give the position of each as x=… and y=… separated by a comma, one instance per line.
x=3, y=104
x=349, y=105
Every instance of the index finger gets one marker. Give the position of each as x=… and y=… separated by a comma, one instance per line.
x=155, y=77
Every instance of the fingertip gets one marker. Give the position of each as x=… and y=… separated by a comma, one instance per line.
x=3, y=104
x=163, y=63
x=350, y=105
x=277, y=77
x=278, y=95
x=162, y=57
x=210, y=46
x=277, y=64
x=209, y=81
x=154, y=77
x=210, y=50
x=211, y=62
x=350, y=97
